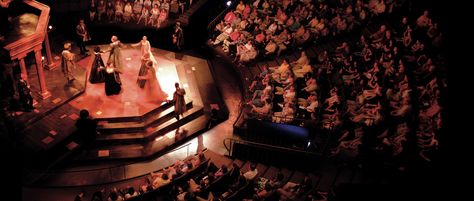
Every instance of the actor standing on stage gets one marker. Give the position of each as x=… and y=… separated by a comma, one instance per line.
x=146, y=49
x=67, y=62
x=178, y=37
x=82, y=36
x=24, y=93
x=152, y=89
x=143, y=70
x=178, y=98
x=97, y=70
x=112, y=80
x=115, y=56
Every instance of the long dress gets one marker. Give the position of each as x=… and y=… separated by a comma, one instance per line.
x=67, y=64
x=142, y=72
x=152, y=89
x=112, y=81
x=97, y=70
x=116, y=55
x=146, y=48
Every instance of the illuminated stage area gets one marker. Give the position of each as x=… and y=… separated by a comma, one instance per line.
x=131, y=101
x=130, y=127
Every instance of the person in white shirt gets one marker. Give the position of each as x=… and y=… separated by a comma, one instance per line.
x=252, y=173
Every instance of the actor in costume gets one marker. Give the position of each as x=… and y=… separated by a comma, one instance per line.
x=146, y=49
x=143, y=70
x=178, y=37
x=82, y=36
x=97, y=70
x=67, y=62
x=24, y=93
x=115, y=56
x=178, y=98
x=153, y=92
x=112, y=80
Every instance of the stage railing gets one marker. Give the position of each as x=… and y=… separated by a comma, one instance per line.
x=231, y=142
x=113, y=174
x=221, y=15
x=266, y=153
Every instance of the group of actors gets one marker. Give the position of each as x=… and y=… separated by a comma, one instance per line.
x=109, y=72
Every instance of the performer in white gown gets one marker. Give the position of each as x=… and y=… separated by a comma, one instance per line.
x=147, y=76
x=146, y=48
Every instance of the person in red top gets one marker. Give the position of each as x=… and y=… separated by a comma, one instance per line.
x=229, y=17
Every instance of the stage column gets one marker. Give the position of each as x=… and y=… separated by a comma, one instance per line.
x=44, y=93
x=21, y=58
x=51, y=65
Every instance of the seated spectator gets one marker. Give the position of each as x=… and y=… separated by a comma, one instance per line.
x=303, y=60
x=137, y=9
x=423, y=21
x=160, y=180
x=127, y=12
x=292, y=190
x=224, y=35
x=118, y=11
x=246, y=52
x=114, y=195
x=222, y=171
x=252, y=173
x=79, y=196
x=270, y=48
x=286, y=115
x=131, y=193
x=98, y=195
x=101, y=9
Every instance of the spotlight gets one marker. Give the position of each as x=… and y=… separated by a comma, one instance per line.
x=42, y=58
x=228, y=3
x=50, y=27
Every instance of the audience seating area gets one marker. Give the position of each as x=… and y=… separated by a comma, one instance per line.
x=153, y=13
x=306, y=63
x=209, y=176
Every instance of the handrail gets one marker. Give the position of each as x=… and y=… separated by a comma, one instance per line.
x=213, y=23
x=266, y=146
x=219, y=17
x=117, y=166
x=110, y=181
x=279, y=116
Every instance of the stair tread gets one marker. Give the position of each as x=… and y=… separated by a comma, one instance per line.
x=171, y=121
x=140, y=150
x=141, y=124
x=148, y=132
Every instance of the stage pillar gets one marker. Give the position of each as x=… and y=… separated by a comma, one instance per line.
x=23, y=67
x=44, y=93
x=51, y=65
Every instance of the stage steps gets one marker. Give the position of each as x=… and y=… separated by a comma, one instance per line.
x=166, y=124
x=138, y=124
x=142, y=150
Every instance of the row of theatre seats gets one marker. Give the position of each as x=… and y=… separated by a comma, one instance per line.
x=230, y=186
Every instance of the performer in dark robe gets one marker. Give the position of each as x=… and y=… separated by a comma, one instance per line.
x=179, y=102
x=178, y=37
x=112, y=80
x=115, y=56
x=24, y=93
x=97, y=70
x=143, y=70
x=82, y=36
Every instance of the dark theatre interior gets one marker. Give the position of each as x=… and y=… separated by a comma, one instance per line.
x=183, y=100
